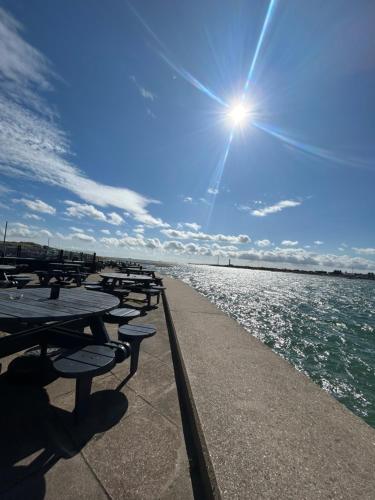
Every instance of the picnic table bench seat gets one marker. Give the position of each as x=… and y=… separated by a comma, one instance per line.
x=84, y=364
x=121, y=315
x=90, y=286
x=134, y=335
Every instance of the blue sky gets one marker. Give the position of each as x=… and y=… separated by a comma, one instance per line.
x=191, y=131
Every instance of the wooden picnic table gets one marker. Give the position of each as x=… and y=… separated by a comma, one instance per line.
x=63, y=273
x=50, y=317
x=64, y=265
x=120, y=277
x=129, y=270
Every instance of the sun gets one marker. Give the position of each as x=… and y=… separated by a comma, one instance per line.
x=239, y=113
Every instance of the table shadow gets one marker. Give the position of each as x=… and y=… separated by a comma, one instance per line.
x=35, y=435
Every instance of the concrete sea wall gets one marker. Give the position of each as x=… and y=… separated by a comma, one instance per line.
x=262, y=429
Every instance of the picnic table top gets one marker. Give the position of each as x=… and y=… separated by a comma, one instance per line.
x=127, y=277
x=4, y=268
x=35, y=304
x=64, y=264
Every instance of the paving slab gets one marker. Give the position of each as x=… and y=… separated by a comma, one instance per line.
x=266, y=430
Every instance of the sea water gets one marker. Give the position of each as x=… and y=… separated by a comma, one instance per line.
x=324, y=326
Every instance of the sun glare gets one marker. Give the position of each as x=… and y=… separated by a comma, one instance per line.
x=239, y=113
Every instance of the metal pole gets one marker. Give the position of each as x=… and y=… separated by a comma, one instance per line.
x=5, y=239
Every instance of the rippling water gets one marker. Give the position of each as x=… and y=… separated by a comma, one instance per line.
x=324, y=326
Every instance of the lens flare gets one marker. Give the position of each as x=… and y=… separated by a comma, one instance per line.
x=239, y=114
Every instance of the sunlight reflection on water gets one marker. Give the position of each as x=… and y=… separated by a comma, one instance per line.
x=324, y=326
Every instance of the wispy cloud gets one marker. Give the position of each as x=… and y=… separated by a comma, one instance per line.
x=318, y=242
x=32, y=145
x=212, y=191
x=32, y=216
x=188, y=199
x=146, y=94
x=272, y=209
x=37, y=205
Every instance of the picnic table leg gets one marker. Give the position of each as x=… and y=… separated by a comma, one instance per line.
x=99, y=330
x=135, y=346
x=83, y=389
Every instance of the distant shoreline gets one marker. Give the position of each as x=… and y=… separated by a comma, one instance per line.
x=335, y=274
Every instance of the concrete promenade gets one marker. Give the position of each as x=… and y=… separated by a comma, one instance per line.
x=262, y=429
x=131, y=446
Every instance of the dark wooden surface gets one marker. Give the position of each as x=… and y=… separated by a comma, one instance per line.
x=134, y=331
x=124, y=312
x=92, y=359
x=7, y=269
x=127, y=277
x=36, y=306
x=64, y=264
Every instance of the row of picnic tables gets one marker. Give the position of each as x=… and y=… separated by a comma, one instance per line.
x=34, y=308
x=37, y=317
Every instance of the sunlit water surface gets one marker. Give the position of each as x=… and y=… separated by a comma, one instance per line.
x=324, y=326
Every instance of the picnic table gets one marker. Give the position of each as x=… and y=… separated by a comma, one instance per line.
x=63, y=272
x=47, y=320
x=123, y=277
x=133, y=270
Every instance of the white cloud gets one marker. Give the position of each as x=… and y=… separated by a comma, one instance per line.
x=132, y=242
x=301, y=257
x=76, y=229
x=190, y=235
x=115, y=219
x=262, y=212
x=20, y=230
x=289, y=243
x=212, y=191
x=32, y=145
x=188, y=199
x=139, y=230
x=365, y=251
x=45, y=232
x=318, y=242
x=83, y=237
x=105, y=231
x=150, y=221
x=192, y=225
x=37, y=205
x=33, y=216
x=81, y=210
x=263, y=243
